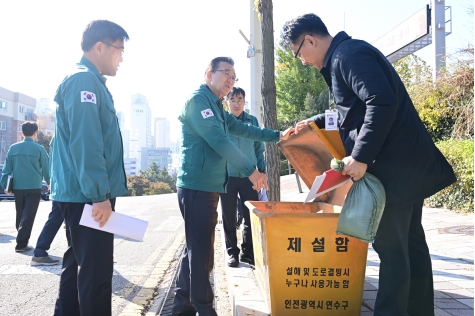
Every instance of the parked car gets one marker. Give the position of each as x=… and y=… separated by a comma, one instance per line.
x=45, y=191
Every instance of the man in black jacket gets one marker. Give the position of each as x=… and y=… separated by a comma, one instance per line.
x=382, y=134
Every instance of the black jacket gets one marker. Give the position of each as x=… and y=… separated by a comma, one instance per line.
x=379, y=124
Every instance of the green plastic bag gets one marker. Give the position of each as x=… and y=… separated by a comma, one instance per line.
x=363, y=207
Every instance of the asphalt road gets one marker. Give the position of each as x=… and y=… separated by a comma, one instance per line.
x=138, y=266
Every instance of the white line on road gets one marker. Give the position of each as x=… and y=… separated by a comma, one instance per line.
x=171, y=224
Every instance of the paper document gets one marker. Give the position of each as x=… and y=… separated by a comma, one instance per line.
x=328, y=181
x=9, y=187
x=119, y=224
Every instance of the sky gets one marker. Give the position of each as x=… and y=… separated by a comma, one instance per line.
x=171, y=42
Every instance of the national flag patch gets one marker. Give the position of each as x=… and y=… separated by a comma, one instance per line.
x=87, y=96
x=207, y=113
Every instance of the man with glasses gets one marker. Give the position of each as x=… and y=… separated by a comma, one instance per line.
x=382, y=134
x=88, y=168
x=206, y=151
x=239, y=184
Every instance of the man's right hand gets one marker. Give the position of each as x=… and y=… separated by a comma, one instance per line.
x=259, y=180
x=101, y=211
x=301, y=125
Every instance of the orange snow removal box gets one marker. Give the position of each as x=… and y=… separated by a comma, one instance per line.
x=302, y=266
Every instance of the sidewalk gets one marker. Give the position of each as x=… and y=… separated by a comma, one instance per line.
x=451, y=243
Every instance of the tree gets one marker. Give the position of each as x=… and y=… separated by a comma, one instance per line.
x=138, y=184
x=268, y=91
x=158, y=188
x=445, y=106
x=44, y=140
x=314, y=105
x=154, y=174
x=294, y=82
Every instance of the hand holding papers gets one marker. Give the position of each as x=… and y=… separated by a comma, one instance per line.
x=118, y=224
x=9, y=187
x=328, y=181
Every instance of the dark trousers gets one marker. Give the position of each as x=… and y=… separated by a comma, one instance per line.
x=198, y=209
x=88, y=290
x=243, y=187
x=49, y=231
x=26, y=204
x=405, y=274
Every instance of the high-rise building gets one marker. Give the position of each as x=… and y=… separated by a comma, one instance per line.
x=160, y=156
x=130, y=166
x=125, y=133
x=45, y=106
x=126, y=142
x=121, y=120
x=46, y=122
x=162, y=132
x=175, y=146
x=140, y=126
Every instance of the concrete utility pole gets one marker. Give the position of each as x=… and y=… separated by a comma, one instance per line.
x=256, y=65
x=438, y=35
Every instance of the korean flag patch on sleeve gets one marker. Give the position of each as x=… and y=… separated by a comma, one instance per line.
x=207, y=113
x=87, y=96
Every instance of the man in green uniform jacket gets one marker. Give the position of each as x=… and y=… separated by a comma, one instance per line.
x=87, y=167
x=205, y=152
x=239, y=184
x=28, y=163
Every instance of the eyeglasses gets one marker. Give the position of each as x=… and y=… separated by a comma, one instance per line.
x=228, y=76
x=298, y=50
x=241, y=101
x=119, y=48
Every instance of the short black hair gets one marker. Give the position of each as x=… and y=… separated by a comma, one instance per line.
x=305, y=24
x=213, y=65
x=29, y=128
x=236, y=91
x=101, y=30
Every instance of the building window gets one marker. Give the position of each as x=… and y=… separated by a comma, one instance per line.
x=3, y=126
x=3, y=105
x=22, y=109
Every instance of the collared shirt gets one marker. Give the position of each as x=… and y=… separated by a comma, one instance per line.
x=28, y=163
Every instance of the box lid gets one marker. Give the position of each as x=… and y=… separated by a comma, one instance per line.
x=311, y=154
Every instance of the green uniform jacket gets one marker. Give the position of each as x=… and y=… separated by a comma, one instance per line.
x=86, y=152
x=205, y=145
x=28, y=163
x=252, y=149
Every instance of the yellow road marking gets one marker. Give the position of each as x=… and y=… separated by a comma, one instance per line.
x=146, y=293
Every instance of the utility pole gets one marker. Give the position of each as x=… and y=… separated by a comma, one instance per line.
x=438, y=35
x=256, y=64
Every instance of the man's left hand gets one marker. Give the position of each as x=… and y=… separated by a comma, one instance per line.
x=286, y=134
x=353, y=168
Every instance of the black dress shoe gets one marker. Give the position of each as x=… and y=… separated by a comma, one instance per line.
x=233, y=261
x=247, y=259
x=184, y=310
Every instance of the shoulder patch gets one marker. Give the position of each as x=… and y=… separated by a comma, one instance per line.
x=87, y=96
x=207, y=113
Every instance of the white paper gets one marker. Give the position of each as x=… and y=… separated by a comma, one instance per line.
x=262, y=195
x=119, y=224
x=312, y=194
